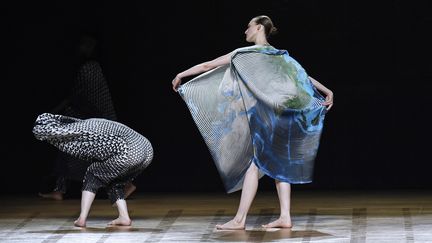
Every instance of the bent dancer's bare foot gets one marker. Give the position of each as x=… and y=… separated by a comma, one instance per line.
x=129, y=189
x=80, y=222
x=121, y=221
x=279, y=223
x=52, y=195
x=231, y=225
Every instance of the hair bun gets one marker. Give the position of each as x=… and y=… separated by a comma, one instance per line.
x=273, y=30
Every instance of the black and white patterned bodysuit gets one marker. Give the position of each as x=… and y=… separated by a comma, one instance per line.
x=117, y=153
x=89, y=97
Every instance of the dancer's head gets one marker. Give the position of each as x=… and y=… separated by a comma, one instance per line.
x=260, y=27
x=87, y=47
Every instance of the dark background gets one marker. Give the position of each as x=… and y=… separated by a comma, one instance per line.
x=375, y=56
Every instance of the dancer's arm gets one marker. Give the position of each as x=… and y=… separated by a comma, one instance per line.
x=200, y=68
x=329, y=94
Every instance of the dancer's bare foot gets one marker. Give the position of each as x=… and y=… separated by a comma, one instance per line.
x=80, y=222
x=129, y=189
x=121, y=221
x=231, y=225
x=279, y=223
x=58, y=196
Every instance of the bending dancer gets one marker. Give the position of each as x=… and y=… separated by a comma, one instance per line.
x=116, y=152
x=89, y=97
x=259, y=114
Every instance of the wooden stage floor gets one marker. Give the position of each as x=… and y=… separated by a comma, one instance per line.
x=318, y=216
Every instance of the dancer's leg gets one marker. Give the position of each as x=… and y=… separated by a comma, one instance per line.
x=59, y=190
x=123, y=218
x=284, y=194
x=60, y=171
x=55, y=195
x=86, y=202
x=129, y=189
x=250, y=185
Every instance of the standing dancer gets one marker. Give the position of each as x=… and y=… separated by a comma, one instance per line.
x=259, y=113
x=117, y=154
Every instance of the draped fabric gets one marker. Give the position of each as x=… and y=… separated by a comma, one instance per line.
x=261, y=108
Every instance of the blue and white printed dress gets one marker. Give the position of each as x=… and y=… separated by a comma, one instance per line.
x=261, y=108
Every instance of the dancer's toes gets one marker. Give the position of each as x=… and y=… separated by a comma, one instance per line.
x=231, y=225
x=80, y=223
x=120, y=222
x=52, y=195
x=279, y=223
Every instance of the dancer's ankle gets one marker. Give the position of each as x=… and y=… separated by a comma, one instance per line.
x=239, y=219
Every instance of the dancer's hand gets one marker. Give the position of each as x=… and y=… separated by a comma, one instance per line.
x=329, y=100
x=176, y=82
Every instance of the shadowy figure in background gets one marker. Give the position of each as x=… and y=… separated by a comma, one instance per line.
x=89, y=97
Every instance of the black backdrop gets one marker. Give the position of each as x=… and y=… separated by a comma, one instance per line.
x=375, y=56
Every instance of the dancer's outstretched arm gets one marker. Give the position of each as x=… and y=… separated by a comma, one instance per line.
x=329, y=94
x=200, y=68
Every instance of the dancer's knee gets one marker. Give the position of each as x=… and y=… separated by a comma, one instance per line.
x=282, y=183
x=253, y=169
x=91, y=183
x=116, y=192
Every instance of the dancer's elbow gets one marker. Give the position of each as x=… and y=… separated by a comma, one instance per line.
x=207, y=66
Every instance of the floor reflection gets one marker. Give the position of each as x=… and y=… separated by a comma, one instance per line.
x=259, y=234
x=111, y=229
